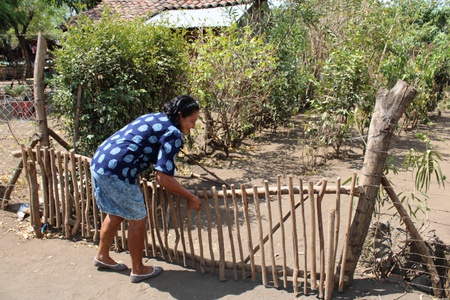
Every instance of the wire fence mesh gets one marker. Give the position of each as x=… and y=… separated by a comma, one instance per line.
x=13, y=108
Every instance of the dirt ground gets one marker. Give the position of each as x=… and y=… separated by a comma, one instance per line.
x=62, y=269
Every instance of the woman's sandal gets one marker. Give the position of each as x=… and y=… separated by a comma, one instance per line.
x=138, y=278
x=116, y=267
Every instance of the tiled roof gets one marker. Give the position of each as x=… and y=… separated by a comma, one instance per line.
x=130, y=9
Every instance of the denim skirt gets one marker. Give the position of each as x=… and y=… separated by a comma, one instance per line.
x=118, y=198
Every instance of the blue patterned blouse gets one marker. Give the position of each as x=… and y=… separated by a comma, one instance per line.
x=150, y=139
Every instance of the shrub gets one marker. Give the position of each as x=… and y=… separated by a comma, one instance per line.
x=125, y=69
x=232, y=74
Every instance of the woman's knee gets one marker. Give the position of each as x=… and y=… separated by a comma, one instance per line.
x=114, y=219
x=137, y=223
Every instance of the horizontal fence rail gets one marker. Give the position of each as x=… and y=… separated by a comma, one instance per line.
x=282, y=235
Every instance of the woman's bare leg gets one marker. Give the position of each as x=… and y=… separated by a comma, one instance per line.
x=136, y=237
x=107, y=233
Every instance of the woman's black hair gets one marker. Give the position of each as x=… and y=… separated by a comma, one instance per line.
x=184, y=104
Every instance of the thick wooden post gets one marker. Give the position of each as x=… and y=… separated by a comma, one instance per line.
x=39, y=87
x=389, y=107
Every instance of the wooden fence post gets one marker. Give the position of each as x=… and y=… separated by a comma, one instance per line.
x=389, y=107
x=39, y=90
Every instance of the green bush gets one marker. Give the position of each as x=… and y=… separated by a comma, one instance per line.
x=289, y=38
x=232, y=74
x=125, y=69
x=343, y=93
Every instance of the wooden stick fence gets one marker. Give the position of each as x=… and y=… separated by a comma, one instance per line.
x=233, y=233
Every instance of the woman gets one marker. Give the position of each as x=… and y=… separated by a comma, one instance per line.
x=152, y=139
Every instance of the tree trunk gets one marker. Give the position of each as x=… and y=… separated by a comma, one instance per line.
x=39, y=94
x=257, y=14
x=389, y=107
x=20, y=35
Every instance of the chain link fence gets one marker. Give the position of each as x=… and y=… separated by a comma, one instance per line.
x=13, y=108
x=17, y=101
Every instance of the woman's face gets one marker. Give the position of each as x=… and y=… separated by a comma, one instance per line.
x=188, y=122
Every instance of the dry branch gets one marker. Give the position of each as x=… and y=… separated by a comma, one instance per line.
x=415, y=235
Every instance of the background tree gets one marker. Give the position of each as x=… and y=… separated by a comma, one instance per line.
x=23, y=19
x=78, y=5
x=8, y=15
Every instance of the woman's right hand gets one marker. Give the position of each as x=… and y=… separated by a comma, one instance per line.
x=175, y=187
x=194, y=202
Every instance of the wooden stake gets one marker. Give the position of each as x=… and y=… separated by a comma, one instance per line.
x=88, y=205
x=305, y=242
x=230, y=231
x=91, y=202
x=321, y=237
x=330, y=257
x=82, y=200
x=220, y=236
x=44, y=183
x=31, y=189
x=56, y=183
x=208, y=218
x=338, y=218
x=283, y=236
x=149, y=205
x=84, y=197
x=347, y=235
x=155, y=219
x=67, y=208
x=249, y=233
x=189, y=231
x=76, y=194
x=61, y=189
x=183, y=243
x=200, y=239
x=260, y=231
x=313, y=236
x=162, y=204
x=272, y=251
x=238, y=230
x=25, y=159
x=34, y=205
x=294, y=236
x=175, y=226
x=48, y=173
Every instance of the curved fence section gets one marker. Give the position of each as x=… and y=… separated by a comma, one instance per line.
x=286, y=236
